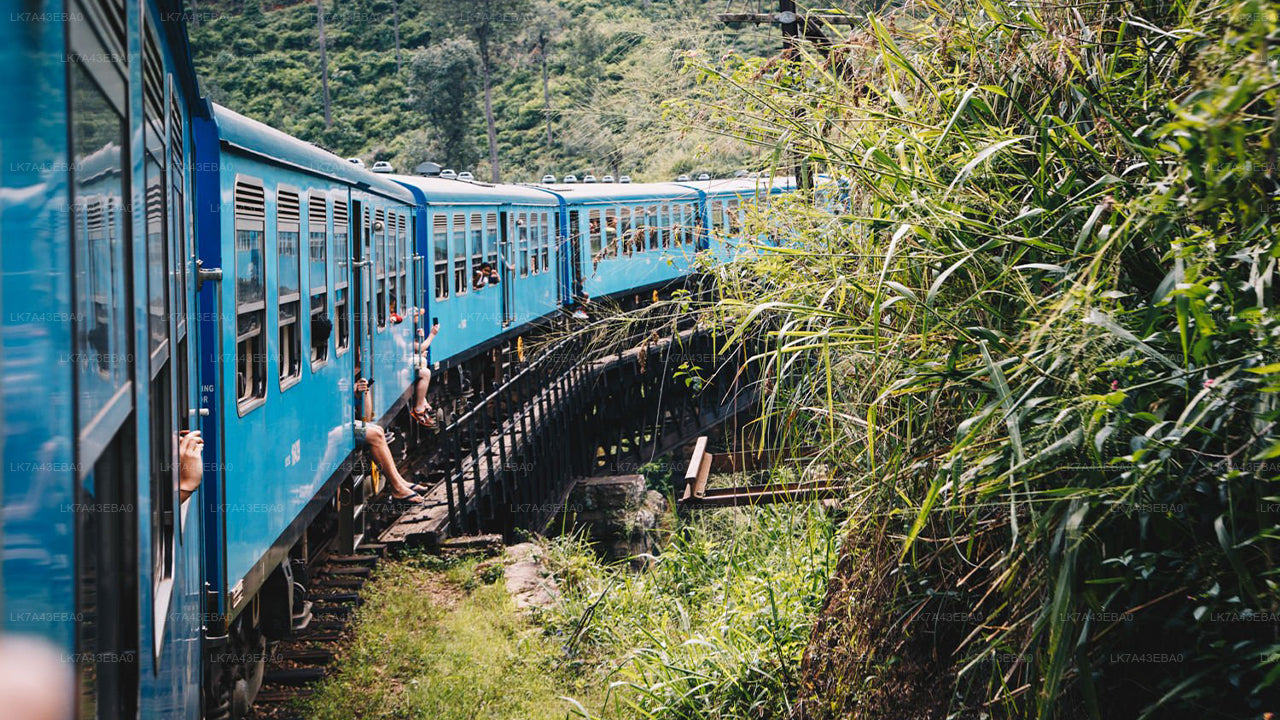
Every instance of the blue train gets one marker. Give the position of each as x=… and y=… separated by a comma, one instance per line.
x=171, y=266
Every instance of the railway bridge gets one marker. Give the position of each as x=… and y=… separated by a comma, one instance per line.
x=506, y=458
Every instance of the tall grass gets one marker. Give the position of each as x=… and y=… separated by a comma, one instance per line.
x=714, y=629
x=1033, y=318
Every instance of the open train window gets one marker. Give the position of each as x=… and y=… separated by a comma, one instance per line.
x=288, y=273
x=458, y=241
x=595, y=233
x=476, y=233
x=341, y=293
x=491, y=239
x=522, y=242
x=393, y=261
x=403, y=254
x=546, y=241
x=380, y=266
x=440, y=241
x=250, y=242
x=318, y=275
x=734, y=221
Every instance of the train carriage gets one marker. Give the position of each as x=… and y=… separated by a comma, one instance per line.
x=628, y=237
x=465, y=225
x=317, y=281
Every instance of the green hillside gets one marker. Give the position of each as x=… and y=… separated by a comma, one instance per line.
x=610, y=64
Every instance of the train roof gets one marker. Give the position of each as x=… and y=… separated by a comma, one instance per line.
x=577, y=193
x=259, y=139
x=744, y=186
x=445, y=191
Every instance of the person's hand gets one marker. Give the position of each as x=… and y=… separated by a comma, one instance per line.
x=190, y=463
x=434, y=329
x=421, y=333
x=362, y=385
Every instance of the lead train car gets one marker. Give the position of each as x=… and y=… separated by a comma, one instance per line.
x=99, y=558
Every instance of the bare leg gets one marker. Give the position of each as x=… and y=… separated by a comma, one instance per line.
x=381, y=453
x=420, y=390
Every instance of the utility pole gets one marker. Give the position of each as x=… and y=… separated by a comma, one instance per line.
x=546, y=87
x=324, y=63
x=793, y=27
x=395, y=9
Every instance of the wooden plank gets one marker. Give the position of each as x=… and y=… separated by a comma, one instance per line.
x=695, y=467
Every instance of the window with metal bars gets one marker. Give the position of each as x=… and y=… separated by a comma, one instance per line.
x=318, y=275
x=251, y=349
x=288, y=272
x=341, y=280
x=440, y=244
x=458, y=241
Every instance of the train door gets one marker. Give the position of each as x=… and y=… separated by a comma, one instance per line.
x=575, y=257
x=506, y=230
x=106, y=525
x=361, y=299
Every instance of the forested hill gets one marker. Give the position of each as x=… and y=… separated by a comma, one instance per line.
x=609, y=64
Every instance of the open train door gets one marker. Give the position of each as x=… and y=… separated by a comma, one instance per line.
x=507, y=230
x=575, y=258
x=361, y=327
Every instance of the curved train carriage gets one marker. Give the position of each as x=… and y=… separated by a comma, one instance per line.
x=172, y=266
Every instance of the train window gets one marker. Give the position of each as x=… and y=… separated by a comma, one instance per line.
x=458, y=241
x=380, y=266
x=546, y=241
x=251, y=349
x=403, y=254
x=157, y=257
x=734, y=212
x=318, y=275
x=102, y=333
x=341, y=253
x=393, y=262
x=595, y=234
x=522, y=242
x=681, y=225
x=288, y=272
x=440, y=239
x=491, y=239
x=476, y=233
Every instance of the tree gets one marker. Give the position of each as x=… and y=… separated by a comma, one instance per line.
x=443, y=83
x=488, y=21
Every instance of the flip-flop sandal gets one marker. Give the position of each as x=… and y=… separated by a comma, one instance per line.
x=423, y=419
x=405, y=504
x=420, y=489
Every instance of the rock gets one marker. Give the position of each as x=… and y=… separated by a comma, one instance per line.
x=527, y=581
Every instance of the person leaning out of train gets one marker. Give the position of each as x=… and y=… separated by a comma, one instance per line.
x=403, y=493
x=422, y=412
x=485, y=275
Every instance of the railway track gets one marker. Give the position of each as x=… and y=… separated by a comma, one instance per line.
x=295, y=665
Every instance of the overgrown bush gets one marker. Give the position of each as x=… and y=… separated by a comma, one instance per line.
x=1033, y=317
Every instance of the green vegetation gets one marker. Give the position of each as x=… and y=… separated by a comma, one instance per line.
x=609, y=65
x=443, y=644
x=1035, y=323
x=713, y=629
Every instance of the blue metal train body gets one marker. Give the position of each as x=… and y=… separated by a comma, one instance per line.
x=168, y=266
